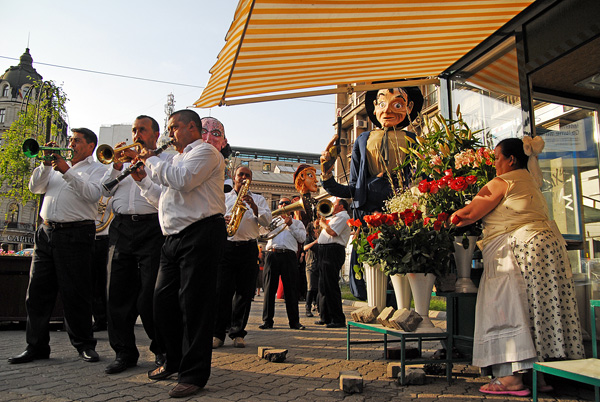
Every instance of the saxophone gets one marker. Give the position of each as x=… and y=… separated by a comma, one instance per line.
x=238, y=210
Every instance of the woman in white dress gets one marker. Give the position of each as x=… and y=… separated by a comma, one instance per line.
x=526, y=309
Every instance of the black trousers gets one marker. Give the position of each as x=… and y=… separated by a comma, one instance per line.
x=330, y=261
x=61, y=262
x=285, y=265
x=184, y=297
x=236, y=285
x=99, y=279
x=133, y=268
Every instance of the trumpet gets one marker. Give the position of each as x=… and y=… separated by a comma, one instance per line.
x=32, y=149
x=106, y=154
x=109, y=185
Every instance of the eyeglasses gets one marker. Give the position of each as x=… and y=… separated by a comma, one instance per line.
x=284, y=202
x=214, y=133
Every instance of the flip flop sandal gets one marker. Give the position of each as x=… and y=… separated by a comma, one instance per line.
x=545, y=388
x=501, y=389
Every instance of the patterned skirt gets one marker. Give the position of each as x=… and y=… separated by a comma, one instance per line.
x=554, y=319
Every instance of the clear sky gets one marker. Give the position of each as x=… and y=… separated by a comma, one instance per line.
x=175, y=41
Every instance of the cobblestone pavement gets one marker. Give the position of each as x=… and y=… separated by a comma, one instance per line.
x=310, y=372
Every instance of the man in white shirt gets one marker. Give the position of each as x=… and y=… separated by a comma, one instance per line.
x=135, y=243
x=281, y=261
x=188, y=191
x=332, y=253
x=236, y=279
x=64, y=244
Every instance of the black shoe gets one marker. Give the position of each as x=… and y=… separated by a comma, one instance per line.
x=320, y=322
x=28, y=356
x=309, y=313
x=89, y=355
x=160, y=373
x=119, y=365
x=336, y=325
x=160, y=359
x=266, y=326
x=297, y=326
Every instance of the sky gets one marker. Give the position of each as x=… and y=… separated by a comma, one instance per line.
x=176, y=42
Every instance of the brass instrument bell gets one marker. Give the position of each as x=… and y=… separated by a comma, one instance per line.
x=106, y=154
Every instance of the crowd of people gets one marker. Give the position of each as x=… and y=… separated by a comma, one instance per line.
x=178, y=241
x=181, y=240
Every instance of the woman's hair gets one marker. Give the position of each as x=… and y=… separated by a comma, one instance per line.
x=514, y=147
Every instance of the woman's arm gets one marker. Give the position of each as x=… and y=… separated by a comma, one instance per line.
x=484, y=202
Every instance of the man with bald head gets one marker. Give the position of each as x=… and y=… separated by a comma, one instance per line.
x=236, y=279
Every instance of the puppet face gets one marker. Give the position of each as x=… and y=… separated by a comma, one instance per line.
x=391, y=108
x=213, y=132
x=307, y=181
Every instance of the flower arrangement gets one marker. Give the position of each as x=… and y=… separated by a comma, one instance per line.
x=452, y=163
x=404, y=241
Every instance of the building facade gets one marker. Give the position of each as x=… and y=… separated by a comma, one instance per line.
x=17, y=222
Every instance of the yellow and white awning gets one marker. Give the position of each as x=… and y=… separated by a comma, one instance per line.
x=284, y=47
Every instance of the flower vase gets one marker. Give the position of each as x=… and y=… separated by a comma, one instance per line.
x=421, y=286
x=402, y=290
x=463, y=259
x=376, y=282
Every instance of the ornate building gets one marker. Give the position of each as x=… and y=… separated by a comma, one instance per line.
x=272, y=170
x=17, y=222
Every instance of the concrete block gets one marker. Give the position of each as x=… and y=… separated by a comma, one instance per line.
x=365, y=314
x=351, y=382
x=405, y=320
x=394, y=353
x=394, y=369
x=385, y=315
x=262, y=350
x=415, y=376
x=276, y=355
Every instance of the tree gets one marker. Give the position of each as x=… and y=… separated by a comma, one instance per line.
x=40, y=118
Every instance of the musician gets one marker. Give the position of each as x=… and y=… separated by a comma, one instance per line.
x=281, y=261
x=332, y=242
x=191, y=204
x=236, y=278
x=64, y=244
x=134, y=244
x=375, y=155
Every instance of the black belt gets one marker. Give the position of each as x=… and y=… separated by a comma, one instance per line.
x=137, y=218
x=281, y=250
x=242, y=242
x=331, y=245
x=62, y=225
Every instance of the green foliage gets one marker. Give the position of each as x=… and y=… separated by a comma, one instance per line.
x=40, y=114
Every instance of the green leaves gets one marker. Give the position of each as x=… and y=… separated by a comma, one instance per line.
x=41, y=113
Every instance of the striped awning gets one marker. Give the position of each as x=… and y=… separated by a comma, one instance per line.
x=278, y=49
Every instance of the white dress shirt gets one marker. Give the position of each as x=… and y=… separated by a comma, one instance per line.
x=126, y=196
x=338, y=223
x=70, y=197
x=248, y=229
x=190, y=186
x=289, y=238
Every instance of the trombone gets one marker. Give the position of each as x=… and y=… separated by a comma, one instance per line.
x=277, y=225
x=31, y=149
x=106, y=154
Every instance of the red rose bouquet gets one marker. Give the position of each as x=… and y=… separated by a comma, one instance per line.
x=452, y=166
x=405, y=242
